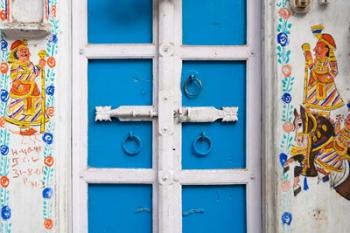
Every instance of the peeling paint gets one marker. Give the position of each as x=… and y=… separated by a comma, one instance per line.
x=193, y=211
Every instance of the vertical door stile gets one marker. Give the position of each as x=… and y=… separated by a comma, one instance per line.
x=79, y=106
x=165, y=116
x=178, y=127
x=154, y=122
x=253, y=118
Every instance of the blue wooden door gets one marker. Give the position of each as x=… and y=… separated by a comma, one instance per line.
x=166, y=116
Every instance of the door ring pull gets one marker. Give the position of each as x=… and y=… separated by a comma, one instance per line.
x=131, y=138
x=202, y=138
x=192, y=80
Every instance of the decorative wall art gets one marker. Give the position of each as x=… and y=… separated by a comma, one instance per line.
x=27, y=109
x=314, y=121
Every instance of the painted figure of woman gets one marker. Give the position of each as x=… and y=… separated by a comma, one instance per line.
x=25, y=105
x=320, y=92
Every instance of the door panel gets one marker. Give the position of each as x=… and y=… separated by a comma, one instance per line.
x=115, y=83
x=120, y=208
x=223, y=84
x=228, y=146
x=219, y=22
x=219, y=209
x=122, y=21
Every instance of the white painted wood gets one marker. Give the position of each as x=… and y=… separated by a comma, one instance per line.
x=253, y=130
x=118, y=51
x=118, y=176
x=79, y=117
x=166, y=206
x=190, y=52
x=269, y=89
x=214, y=177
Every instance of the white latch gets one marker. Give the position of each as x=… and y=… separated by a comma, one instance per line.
x=125, y=113
x=207, y=114
x=26, y=19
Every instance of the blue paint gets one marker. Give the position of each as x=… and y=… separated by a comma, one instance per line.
x=223, y=85
x=286, y=98
x=122, y=21
x=50, y=90
x=282, y=39
x=4, y=95
x=208, y=209
x=220, y=22
x=112, y=208
x=47, y=193
x=48, y=138
x=4, y=149
x=283, y=159
x=305, y=185
x=3, y=45
x=287, y=218
x=115, y=83
x=5, y=212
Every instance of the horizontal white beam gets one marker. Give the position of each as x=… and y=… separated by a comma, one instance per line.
x=118, y=51
x=216, y=52
x=214, y=177
x=118, y=176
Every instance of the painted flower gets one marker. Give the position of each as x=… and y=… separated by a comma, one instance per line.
x=42, y=62
x=53, y=38
x=288, y=127
x=4, y=150
x=283, y=158
x=287, y=218
x=51, y=62
x=285, y=13
x=3, y=15
x=50, y=90
x=282, y=39
x=4, y=95
x=3, y=44
x=286, y=70
x=4, y=67
x=286, y=98
x=50, y=111
x=47, y=193
x=2, y=122
x=53, y=11
x=49, y=161
x=4, y=181
x=5, y=212
x=285, y=186
x=48, y=223
x=48, y=138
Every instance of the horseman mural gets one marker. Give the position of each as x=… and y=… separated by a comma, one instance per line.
x=321, y=147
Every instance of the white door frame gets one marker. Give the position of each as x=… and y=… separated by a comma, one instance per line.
x=166, y=175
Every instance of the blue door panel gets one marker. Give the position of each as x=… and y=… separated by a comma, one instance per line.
x=208, y=209
x=120, y=21
x=115, y=83
x=219, y=22
x=120, y=208
x=223, y=85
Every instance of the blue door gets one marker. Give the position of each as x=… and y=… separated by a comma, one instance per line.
x=166, y=116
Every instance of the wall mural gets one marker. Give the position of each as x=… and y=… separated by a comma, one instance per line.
x=314, y=138
x=27, y=107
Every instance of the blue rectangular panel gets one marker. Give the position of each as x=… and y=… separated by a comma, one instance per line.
x=115, y=83
x=120, y=208
x=219, y=22
x=223, y=84
x=219, y=209
x=120, y=21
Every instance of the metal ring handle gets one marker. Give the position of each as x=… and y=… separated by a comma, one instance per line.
x=202, y=138
x=132, y=138
x=193, y=81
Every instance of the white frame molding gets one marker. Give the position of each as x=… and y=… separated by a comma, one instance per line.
x=166, y=175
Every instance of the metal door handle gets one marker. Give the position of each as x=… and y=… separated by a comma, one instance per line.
x=129, y=139
x=202, y=138
x=192, y=82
